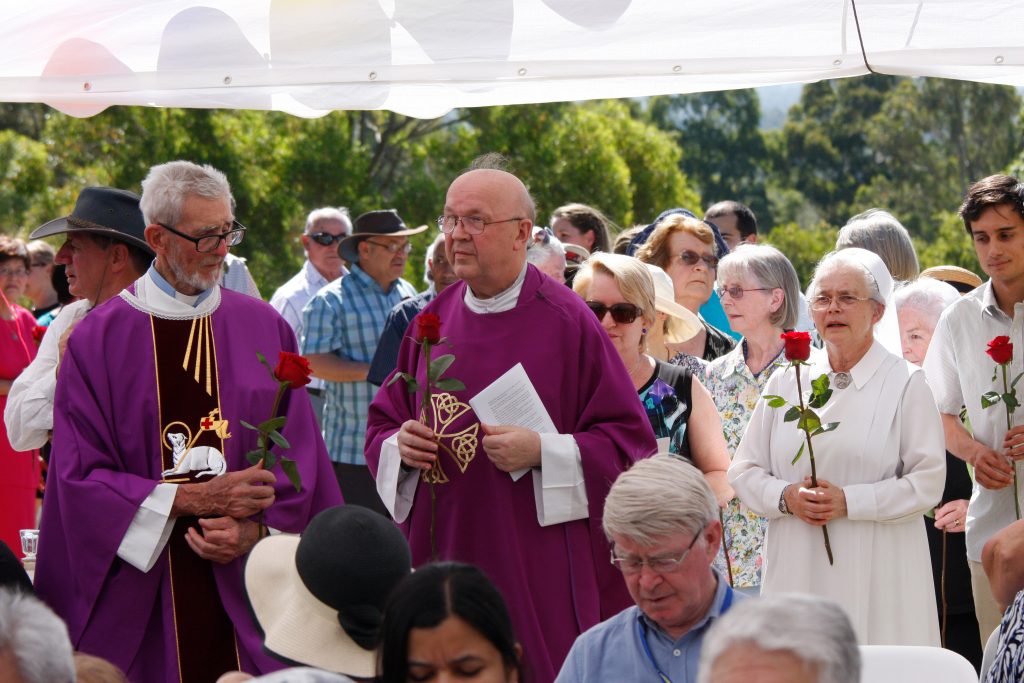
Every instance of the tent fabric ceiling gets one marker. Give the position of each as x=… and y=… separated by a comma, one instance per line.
x=425, y=57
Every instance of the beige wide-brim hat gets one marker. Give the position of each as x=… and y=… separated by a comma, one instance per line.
x=683, y=324
x=295, y=625
x=960, y=278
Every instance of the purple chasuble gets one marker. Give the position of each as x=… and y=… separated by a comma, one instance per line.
x=107, y=459
x=557, y=579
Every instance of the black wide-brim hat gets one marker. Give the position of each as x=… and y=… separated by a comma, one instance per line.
x=105, y=211
x=383, y=223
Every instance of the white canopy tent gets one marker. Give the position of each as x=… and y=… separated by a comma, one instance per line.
x=425, y=57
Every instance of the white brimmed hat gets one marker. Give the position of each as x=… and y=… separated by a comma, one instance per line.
x=683, y=324
x=319, y=599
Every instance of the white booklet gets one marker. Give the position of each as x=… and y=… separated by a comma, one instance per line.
x=512, y=400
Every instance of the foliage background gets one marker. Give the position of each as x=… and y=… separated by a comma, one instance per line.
x=911, y=146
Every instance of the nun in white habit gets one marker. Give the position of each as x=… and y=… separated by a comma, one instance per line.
x=878, y=471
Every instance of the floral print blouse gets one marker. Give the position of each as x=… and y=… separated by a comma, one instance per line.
x=735, y=391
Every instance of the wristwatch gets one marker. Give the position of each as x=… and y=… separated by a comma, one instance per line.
x=783, y=508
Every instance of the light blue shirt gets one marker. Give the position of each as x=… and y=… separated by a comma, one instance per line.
x=168, y=289
x=346, y=318
x=613, y=650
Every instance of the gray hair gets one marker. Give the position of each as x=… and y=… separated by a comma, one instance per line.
x=770, y=269
x=428, y=256
x=40, y=252
x=836, y=260
x=328, y=213
x=658, y=497
x=35, y=638
x=929, y=296
x=168, y=186
x=879, y=231
x=538, y=253
x=814, y=630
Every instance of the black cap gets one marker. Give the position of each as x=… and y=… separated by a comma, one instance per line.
x=106, y=211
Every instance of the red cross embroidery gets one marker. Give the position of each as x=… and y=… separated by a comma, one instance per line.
x=206, y=423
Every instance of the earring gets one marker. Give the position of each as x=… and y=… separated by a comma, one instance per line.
x=644, y=331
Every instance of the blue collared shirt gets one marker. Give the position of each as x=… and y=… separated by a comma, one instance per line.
x=613, y=651
x=346, y=318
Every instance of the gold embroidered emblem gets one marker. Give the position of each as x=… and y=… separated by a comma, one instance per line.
x=199, y=353
x=186, y=457
x=460, y=446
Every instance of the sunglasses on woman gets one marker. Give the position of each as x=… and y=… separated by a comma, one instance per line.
x=690, y=258
x=621, y=313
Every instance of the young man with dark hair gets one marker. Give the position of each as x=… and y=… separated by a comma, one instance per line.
x=736, y=222
x=960, y=372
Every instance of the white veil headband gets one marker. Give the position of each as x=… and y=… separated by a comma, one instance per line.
x=887, y=330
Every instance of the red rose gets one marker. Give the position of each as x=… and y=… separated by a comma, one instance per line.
x=798, y=345
x=428, y=328
x=292, y=368
x=1000, y=350
x=37, y=333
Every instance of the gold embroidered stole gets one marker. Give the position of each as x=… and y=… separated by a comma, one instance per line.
x=189, y=402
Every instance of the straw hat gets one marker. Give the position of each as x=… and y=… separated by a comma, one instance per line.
x=961, y=278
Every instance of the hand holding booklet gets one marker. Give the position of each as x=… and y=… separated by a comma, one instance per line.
x=512, y=400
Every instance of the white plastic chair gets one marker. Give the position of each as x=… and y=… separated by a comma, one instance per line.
x=914, y=664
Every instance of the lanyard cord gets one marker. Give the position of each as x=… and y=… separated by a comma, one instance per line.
x=641, y=630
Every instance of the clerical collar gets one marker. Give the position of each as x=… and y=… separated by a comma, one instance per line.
x=167, y=288
x=503, y=301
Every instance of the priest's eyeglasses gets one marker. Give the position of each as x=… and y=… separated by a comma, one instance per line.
x=474, y=225
x=843, y=301
x=232, y=237
x=632, y=565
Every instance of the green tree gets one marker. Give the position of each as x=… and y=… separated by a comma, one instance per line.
x=723, y=148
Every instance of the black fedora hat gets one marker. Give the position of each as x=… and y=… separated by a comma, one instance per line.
x=106, y=211
x=385, y=223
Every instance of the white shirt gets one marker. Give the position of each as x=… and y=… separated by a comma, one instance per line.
x=559, y=491
x=291, y=297
x=29, y=411
x=959, y=372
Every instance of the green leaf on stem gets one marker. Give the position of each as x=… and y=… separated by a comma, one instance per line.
x=412, y=385
x=292, y=471
x=809, y=421
x=254, y=457
x=798, y=454
x=1013, y=384
x=272, y=424
x=989, y=399
x=774, y=401
x=249, y=426
x=439, y=365
x=269, y=460
x=397, y=376
x=792, y=414
x=277, y=438
x=825, y=428
x=450, y=384
x=1011, y=402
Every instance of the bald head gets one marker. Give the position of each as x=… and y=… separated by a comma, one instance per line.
x=489, y=261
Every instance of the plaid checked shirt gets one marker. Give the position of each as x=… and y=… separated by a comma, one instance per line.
x=346, y=318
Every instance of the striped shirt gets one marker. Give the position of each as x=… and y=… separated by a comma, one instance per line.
x=346, y=318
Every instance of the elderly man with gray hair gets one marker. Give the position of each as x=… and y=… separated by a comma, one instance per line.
x=34, y=644
x=785, y=638
x=325, y=228
x=662, y=520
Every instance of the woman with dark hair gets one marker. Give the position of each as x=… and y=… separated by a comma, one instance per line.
x=447, y=621
x=584, y=226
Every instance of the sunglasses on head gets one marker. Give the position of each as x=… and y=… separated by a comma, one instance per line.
x=326, y=238
x=621, y=313
x=690, y=258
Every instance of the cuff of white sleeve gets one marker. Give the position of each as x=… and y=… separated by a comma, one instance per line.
x=150, y=528
x=860, y=502
x=559, y=491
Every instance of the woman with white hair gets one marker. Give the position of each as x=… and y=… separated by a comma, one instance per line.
x=760, y=293
x=918, y=307
x=878, y=470
x=620, y=291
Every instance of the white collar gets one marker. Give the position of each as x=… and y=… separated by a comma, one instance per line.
x=150, y=299
x=499, y=303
